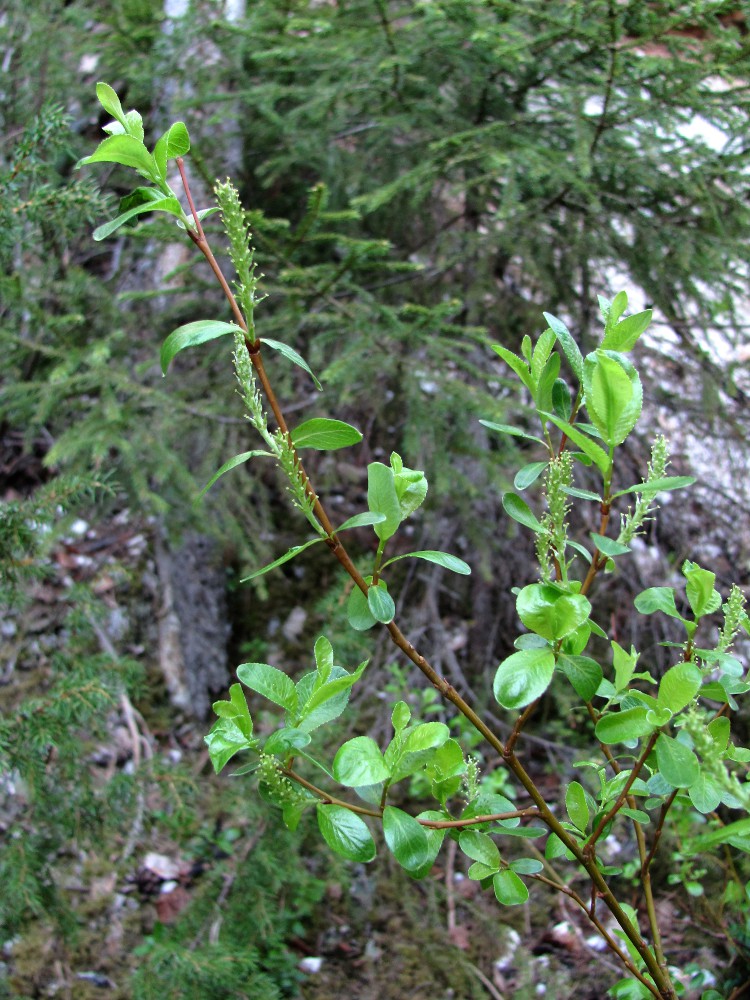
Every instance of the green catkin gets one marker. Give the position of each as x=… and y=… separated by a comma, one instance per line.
x=734, y=615
x=631, y=523
x=552, y=541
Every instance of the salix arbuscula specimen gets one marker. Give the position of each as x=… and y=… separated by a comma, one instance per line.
x=651, y=740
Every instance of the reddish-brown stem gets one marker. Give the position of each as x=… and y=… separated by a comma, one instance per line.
x=657, y=835
x=597, y=560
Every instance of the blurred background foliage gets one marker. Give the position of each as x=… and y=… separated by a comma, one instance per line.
x=424, y=177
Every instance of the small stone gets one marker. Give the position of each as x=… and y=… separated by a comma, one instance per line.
x=311, y=965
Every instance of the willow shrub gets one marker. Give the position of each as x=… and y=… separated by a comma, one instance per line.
x=656, y=746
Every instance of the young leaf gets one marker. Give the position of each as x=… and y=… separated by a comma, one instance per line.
x=291, y=355
x=624, y=335
x=551, y=613
x=289, y=554
x=161, y=204
x=702, y=597
x=406, y=839
x=444, y=559
x=517, y=508
x=232, y=464
x=509, y=889
x=284, y=741
x=270, y=682
x=323, y=652
x=380, y=603
x=523, y=677
x=400, y=716
x=359, y=762
x=623, y=727
x=513, y=431
x=705, y=793
x=678, y=765
x=657, y=599
x=126, y=150
x=595, y=452
x=614, y=395
x=361, y=521
x=658, y=486
x=224, y=740
x=528, y=475
x=568, y=344
x=190, y=335
x=383, y=499
x=410, y=484
x=576, y=805
x=609, y=546
x=109, y=100
x=175, y=142
x=323, y=434
x=318, y=705
x=519, y=367
x=624, y=664
x=584, y=674
x=345, y=833
x=358, y=611
x=679, y=685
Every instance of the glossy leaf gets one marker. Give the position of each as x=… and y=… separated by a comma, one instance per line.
x=190, y=335
x=702, y=597
x=679, y=686
x=550, y=613
x=406, y=839
x=528, y=475
x=380, y=604
x=291, y=355
x=614, y=395
x=678, y=765
x=609, y=546
x=175, y=142
x=516, y=364
x=576, y=805
x=224, y=740
x=570, y=347
x=434, y=842
x=444, y=559
x=658, y=486
x=359, y=762
x=270, y=682
x=526, y=866
x=512, y=431
x=325, y=435
x=523, y=677
x=509, y=889
x=232, y=464
x=363, y=520
x=346, y=833
x=479, y=847
x=705, y=793
x=289, y=554
x=623, y=727
x=595, y=452
x=624, y=335
x=517, y=508
x=109, y=100
x=162, y=204
x=383, y=499
x=584, y=674
x=126, y=150
x=284, y=741
x=358, y=611
x=657, y=599
x=624, y=664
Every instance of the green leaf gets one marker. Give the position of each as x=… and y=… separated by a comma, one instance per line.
x=614, y=395
x=434, y=842
x=595, y=452
x=161, y=204
x=321, y=704
x=323, y=434
x=562, y=402
x=358, y=612
x=407, y=756
x=270, y=682
x=523, y=677
x=109, y=100
x=526, y=866
x=624, y=335
x=232, y=464
x=516, y=364
x=679, y=686
x=658, y=486
x=410, y=484
x=719, y=730
x=509, y=889
x=568, y=344
x=406, y=839
x=236, y=709
x=175, y=142
x=584, y=674
x=400, y=716
x=359, y=762
x=702, y=597
x=380, y=604
x=623, y=727
x=323, y=652
x=657, y=599
x=361, y=521
x=528, y=475
x=624, y=664
x=573, y=491
x=517, y=508
x=291, y=355
x=546, y=384
x=609, y=546
x=289, y=554
x=513, y=431
x=345, y=833
x=444, y=559
x=705, y=793
x=383, y=499
x=190, y=335
x=224, y=740
x=551, y=613
x=126, y=150
x=576, y=805
x=479, y=847
x=284, y=741
x=678, y=765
